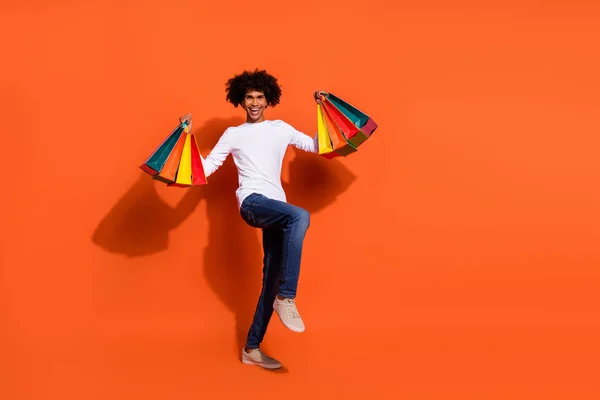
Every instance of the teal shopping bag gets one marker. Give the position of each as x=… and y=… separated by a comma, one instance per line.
x=157, y=159
x=359, y=119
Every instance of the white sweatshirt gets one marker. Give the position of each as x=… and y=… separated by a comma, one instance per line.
x=258, y=150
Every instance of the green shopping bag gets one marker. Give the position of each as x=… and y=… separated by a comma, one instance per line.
x=154, y=164
x=354, y=123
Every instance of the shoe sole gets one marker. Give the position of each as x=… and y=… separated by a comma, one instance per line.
x=265, y=366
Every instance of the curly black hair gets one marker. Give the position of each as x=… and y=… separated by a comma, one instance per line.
x=238, y=86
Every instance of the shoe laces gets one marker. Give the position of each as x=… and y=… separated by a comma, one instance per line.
x=290, y=305
x=266, y=357
x=263, y=356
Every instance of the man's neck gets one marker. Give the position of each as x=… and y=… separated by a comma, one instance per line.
x=251, y=121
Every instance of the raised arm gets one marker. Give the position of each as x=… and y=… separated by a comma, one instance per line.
x=302, y=141
x=218, y=154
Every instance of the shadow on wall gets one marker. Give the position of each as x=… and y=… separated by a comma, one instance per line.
x=139, y=224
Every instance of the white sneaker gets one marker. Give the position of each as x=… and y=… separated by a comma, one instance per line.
x=257, y=357
x=288, y=314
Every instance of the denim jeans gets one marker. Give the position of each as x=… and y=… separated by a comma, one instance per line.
x=283, y=227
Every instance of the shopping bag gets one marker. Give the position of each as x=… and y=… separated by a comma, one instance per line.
x=177, y=161
x=358, y=118
x=184, y=170
x=350, y=132
x=169, y=170
x=191, y=165
x=323, y=136
x=154, y=164
x=198, y=174
x=341, y=146
x=356, y=126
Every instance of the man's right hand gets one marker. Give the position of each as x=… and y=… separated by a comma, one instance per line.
x=186, y=118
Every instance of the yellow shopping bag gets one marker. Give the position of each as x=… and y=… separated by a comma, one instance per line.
x=184, y=172
x=324, y=138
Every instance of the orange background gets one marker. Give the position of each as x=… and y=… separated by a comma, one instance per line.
x=454, y=256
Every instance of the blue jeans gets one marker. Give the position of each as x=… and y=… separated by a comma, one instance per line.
x=284, y=227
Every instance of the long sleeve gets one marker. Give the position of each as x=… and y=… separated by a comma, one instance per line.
x=304, y=142
x=218, y=154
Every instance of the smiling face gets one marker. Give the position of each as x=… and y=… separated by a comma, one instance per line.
x=255, y=103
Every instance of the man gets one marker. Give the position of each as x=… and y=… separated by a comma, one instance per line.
x=258, y=147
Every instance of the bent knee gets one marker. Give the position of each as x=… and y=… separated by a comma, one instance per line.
x=302, y=217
